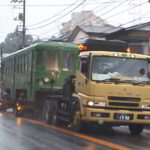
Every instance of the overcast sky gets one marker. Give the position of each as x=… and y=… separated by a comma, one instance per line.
x=44, y=17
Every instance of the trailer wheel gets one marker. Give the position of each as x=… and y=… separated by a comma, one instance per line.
x=136, y=129
x=76, y=124
x=50, y=115
x=45, y=113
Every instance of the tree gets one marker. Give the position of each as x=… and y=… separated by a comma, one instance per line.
x=13, y=42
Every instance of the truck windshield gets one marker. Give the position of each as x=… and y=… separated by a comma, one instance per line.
x=120, y=69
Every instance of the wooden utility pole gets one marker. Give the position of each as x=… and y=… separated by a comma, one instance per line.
x=1, y=90
x=24, y=21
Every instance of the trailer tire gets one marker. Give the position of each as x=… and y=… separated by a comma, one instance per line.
x=136, y=129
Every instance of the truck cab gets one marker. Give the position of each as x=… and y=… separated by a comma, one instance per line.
x=113, y=88
x=110, y=86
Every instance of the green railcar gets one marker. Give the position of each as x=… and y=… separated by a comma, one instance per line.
x=32, y=73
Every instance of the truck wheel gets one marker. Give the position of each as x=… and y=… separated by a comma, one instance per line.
x=50, y=113
x=136, y=129
x=76, y=124
x=54, y=114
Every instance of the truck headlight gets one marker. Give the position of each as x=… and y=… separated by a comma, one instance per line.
x=145, y=106
x=96, y=104
x=90, y=103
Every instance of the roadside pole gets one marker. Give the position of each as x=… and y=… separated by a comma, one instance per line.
x=1, y=86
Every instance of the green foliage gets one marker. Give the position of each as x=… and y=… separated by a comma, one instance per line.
x=13, y=42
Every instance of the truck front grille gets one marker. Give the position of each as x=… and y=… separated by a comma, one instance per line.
x=131, y=99
x=125, y=102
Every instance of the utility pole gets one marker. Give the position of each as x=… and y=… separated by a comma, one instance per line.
x=23, y=19
x=1, y=90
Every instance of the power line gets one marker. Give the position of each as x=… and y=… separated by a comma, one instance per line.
x=112, y=1
x=4, y=14
x=57, y=5
x=5, y=18
x=95, y=8
x=107, y=4
x=124, y=11
x=60, y=17
x=108, y=11
x=120, y=26
x=52, y=16
x=121, y=11
x=111, y=9
x=118, y=13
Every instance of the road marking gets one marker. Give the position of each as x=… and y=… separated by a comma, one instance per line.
x=85, y=137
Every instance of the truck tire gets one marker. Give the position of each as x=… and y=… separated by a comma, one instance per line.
x=50, y=115
x=76, y=124
x=45, y=113
x=136, y=129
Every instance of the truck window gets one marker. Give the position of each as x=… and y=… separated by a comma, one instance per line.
x=122, y=68
x=83, y=65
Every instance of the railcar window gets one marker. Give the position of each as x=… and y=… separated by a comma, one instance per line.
x=68, y=61
x=12, y=66
x=17, y=66
x=29, y=62
x=50, y=60
x=8, y=67
x=22, y=66
x=26, y=61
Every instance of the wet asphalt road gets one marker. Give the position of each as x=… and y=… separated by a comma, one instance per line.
x=25, y=134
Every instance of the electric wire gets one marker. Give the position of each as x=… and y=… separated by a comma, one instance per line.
x=59, y=17
x=124, y=10
x=120, y=26
x=53, y=15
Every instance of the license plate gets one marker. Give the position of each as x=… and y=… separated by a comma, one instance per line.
x=123, y=117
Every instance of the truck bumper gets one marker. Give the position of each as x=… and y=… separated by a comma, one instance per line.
x=116, y=116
